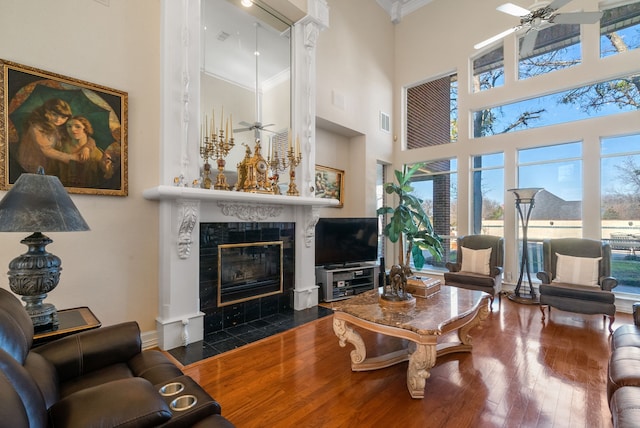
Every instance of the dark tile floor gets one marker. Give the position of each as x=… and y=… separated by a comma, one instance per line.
x=243, y=334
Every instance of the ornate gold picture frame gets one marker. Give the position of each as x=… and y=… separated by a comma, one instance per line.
x=330, y=184
x=73, y=129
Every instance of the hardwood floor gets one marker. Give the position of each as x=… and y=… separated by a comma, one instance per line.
x=522, y=372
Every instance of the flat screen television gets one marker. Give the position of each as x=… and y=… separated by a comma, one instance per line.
x=346, y=241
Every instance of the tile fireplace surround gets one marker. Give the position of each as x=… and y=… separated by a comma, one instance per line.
x=247, y=272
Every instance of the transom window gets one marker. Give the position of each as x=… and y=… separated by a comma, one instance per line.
x=555, y=48
x=620, y=29
x=488, y=70
x=585, y=102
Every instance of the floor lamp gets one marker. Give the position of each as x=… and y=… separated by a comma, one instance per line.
x=38, y=203
x=525, y=199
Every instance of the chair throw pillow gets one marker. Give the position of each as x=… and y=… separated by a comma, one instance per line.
x=577, y=270
x=476, y=261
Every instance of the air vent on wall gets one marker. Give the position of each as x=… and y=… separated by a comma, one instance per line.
x=385, y=122
x=222, y=36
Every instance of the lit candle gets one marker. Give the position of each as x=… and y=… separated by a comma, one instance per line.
x=226, y=130
x=221, y=117
x=213, y=121
x=289, y=135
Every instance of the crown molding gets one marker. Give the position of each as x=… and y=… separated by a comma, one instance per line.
x=397, y=9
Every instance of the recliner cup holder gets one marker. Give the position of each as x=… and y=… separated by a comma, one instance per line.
x=172, y=388
x=182, y=403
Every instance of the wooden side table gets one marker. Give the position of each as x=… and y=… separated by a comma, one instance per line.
x=71, y=321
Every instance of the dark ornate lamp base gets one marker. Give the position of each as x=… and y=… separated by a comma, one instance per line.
x=34, y=274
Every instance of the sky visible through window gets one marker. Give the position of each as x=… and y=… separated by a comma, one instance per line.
x=600, y=99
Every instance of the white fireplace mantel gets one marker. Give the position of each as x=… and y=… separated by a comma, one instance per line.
x=165, y=192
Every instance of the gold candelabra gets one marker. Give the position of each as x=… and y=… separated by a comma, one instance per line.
x=215, y=145
x=277, y=165
x=294, y=160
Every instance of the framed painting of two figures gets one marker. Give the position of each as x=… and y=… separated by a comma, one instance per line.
x=69, y=128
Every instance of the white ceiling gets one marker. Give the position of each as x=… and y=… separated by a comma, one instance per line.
x=397, y=9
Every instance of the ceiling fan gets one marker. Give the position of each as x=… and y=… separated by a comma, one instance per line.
x=255, y=126
x=537, y=19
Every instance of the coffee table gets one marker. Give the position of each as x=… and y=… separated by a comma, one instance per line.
x=451, y=310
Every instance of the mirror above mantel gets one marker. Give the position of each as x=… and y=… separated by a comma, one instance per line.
x=246, y=70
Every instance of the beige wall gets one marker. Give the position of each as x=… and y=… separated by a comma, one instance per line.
x=113, y=268
x=354, y=83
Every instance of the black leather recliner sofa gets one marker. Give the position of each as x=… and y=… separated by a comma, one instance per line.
x=98, y=378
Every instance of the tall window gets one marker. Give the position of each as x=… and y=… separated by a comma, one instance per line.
x=436, y=184
x=557, y=211
x=488, y=194
x=620, y=206
x=432, y=112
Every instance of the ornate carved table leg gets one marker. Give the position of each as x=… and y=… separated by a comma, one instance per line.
x=347, y=334
x=420, y=361
x=483, y=314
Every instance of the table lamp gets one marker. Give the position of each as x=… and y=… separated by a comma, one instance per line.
x=38, y=203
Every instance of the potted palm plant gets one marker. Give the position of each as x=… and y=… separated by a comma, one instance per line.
x=409, y=225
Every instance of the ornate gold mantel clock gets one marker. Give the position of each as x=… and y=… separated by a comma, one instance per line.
x=253, y=172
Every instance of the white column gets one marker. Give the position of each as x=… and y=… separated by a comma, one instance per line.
x=305, y=36
x=179, y=315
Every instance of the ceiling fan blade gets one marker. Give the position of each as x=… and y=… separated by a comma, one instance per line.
x=577, y=18
x=528, y=43
x=243, y=123
x=268, y=124
x=242, y=129
x=557, y=4
x=513, y=9
x=496, y=37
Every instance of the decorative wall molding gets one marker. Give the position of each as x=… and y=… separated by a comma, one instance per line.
x=310, y=227
x=249, y=212
x=187, y=218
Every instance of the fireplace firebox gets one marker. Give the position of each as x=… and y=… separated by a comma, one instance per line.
x=249, y=271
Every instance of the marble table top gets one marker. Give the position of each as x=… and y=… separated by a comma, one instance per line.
x=429, y=316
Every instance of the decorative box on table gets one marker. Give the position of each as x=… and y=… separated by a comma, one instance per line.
x=422, y=286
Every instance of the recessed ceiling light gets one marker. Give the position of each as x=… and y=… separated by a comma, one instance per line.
x=246, y=3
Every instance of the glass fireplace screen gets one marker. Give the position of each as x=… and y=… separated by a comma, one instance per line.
x=248, y=271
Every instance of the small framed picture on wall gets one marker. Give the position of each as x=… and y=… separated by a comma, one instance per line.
x=330, y=184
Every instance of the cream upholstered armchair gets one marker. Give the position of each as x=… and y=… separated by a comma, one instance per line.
x=478, y=265
x=577, y=277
